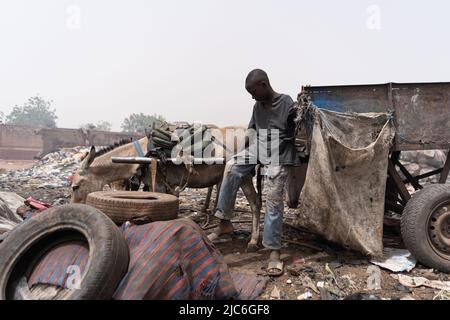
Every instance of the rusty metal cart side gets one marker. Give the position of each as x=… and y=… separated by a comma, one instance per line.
x=422, y=122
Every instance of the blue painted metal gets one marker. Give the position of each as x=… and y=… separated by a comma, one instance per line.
x=138, y=148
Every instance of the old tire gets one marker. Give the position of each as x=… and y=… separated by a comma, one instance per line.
x=30, y=241
x=425, y=226
x=134, y=206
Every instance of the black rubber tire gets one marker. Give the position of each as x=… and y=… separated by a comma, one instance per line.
x=26, y=244
x=414, y=225
x=135, y=206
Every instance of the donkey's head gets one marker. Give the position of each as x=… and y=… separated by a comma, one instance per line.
x=83, y=182
x=97, y=169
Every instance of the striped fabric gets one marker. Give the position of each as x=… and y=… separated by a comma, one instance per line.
x=54, y=267
x=248, y=286
x=168, y=260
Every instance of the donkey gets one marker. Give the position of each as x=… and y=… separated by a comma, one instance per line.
x=97, y=170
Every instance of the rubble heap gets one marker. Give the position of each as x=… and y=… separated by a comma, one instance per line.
x=420, y=162
x=51, y=172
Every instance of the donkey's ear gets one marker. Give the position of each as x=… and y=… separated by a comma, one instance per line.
x=89, y=159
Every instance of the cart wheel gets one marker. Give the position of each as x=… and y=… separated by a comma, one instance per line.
x=426, y=226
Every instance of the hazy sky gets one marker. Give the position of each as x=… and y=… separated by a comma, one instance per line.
x=187, y=60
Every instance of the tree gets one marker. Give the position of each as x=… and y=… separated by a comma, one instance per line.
x=2, y=117
x=35, y=112
x=88, y=126
x=101, y=126
x=104, y=126
x=137, y=122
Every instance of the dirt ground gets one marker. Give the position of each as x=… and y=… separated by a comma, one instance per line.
x=345, y=273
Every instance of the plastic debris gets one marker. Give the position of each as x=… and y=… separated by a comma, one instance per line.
x=442, y=295
x=8, y=217
x=328, y=291
x=348, y=282
x=38, y=205
x=374, y=279
x=6, y=224
x=308, y=283
x=415, y=282
x=52, y=171
x=275, y=294
x=12, y=201
x=396, y=260
x=306, y=296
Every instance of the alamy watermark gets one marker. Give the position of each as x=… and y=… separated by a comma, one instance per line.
x=374, y=279
x=373, y=21
x=73, y=18
x=74, y=279
x=211, y=146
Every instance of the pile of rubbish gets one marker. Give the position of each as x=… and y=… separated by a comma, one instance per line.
x=420, y=162
x=51, y=172
x=330, y=276
x=9, y=219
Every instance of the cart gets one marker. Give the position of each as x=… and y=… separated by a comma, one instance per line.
x=422, y=122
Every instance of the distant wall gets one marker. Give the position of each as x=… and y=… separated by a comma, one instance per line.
x=24, y=143
x=19, y=143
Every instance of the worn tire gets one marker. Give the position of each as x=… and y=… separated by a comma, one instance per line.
x=135, y=206
x=26, y=245
x=415, y=225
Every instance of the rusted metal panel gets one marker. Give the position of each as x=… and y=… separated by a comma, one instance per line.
x=421, y=110
x=422, y=114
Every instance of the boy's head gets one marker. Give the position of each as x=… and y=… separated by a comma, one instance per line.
x=258, y=85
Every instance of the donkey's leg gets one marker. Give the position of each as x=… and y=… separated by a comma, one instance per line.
x=207, y=200
x=252, y=197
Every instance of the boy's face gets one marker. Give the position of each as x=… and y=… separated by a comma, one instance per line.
x=259, y=90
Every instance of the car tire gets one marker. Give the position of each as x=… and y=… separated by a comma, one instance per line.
x=425, y=226
x=30, y=241
x=137, y=207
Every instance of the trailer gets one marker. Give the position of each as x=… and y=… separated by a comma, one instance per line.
x=421, y=114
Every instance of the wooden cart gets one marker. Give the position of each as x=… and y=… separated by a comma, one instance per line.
x=422, y=122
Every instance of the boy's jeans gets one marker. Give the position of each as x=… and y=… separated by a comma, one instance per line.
x=275, y=180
